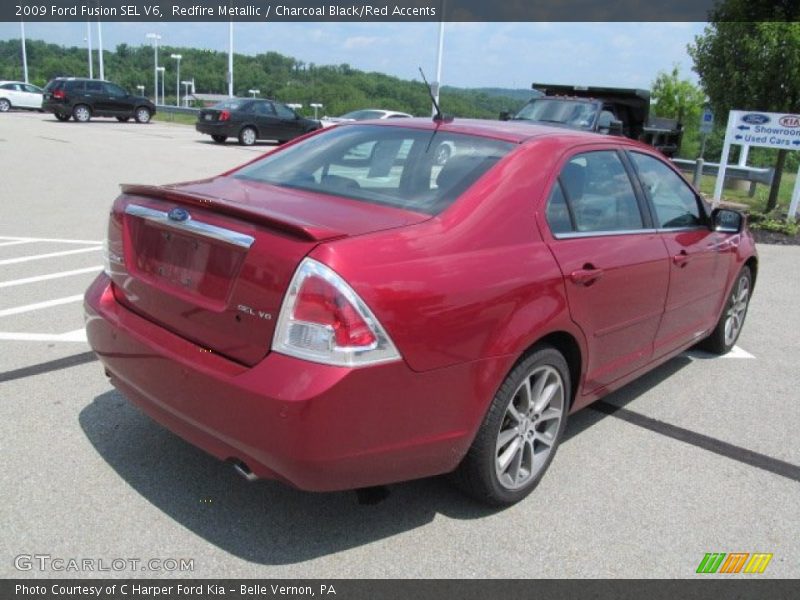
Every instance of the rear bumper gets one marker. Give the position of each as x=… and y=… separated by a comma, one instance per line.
x=56, y=107
x=317, y=427
x=213, y=128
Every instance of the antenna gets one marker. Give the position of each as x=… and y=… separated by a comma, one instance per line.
x=438, y=116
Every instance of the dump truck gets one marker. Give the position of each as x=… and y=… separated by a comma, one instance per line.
x=612, y=111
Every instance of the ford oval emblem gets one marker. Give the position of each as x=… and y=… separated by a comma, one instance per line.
x=178, y=214
x=755, y=119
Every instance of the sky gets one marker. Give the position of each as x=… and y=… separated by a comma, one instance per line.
x=509, y=55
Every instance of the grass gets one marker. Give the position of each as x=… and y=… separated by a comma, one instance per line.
x=758, y=203
x=181, y=119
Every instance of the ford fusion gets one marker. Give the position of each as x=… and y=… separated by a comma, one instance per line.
x=347, y=312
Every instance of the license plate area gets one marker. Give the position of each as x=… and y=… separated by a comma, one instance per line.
x=207, y=117
x=202, y=268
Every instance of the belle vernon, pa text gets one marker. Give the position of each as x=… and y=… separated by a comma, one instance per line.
x=199, y=591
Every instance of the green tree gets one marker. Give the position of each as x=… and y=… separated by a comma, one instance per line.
x=748, y=58
x=676, y=98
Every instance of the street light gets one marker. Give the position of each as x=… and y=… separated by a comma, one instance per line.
x=254, y=92
x=141, y=89
x=24, y=52
x=295, y=106
x=186, y=85
x=161, y=70
x=315, y=106
x=155, y=37
x=88, y=39
x=178, y=58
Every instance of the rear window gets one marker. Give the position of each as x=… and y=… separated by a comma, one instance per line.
x=382, y=165
x=55, y=84
x=232, y=105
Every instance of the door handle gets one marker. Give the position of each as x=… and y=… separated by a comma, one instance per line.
x=681, y=259
x=586, y=276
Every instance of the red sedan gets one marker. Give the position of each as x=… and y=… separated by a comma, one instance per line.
x=347, y=312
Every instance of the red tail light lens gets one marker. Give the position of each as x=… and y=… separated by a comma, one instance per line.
x=322, y=304
x=224, y=115
x=59, y=94
x=323, y=320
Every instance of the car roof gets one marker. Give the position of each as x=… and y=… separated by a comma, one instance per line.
x=510, y=131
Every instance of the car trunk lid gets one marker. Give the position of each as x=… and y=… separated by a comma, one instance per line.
x=211, y=260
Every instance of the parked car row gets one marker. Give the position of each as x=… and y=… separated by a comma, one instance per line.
x=18, y=94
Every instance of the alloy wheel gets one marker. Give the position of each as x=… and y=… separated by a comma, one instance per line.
x=737, y=308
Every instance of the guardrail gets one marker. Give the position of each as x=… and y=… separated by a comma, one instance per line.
x=754, y=175
x=175, y=110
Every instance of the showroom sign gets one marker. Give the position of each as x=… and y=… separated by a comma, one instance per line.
x=764, y=130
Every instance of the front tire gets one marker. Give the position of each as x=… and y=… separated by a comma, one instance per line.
x=520, y=433
x=81, y=113
x=247, y=136
x=731, y=321
x=123, y=119
x=142, y=115
x=5, y=105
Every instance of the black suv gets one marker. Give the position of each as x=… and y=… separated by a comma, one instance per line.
x=83, y=99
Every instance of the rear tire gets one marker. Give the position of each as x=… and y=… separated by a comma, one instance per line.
x=81, y=113
x=62, y=117
x=5, y=105
x=521, y=431
x=731, y=321
x=247, y=136
x=220, y=139
x=143, y=115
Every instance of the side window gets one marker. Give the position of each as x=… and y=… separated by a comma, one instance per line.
x=32, y=89
x=599, y=194
x=95, y=87
x=558, y=212
x=114, y=90
x=675, y=203
x=284, y=112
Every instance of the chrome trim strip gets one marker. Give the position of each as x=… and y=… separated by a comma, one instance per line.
x=583, y=234
x=190, y=225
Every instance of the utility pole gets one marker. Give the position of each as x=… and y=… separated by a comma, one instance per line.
x=24, y=51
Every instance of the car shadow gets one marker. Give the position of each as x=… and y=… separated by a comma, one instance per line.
x=232, y=143
x=268, y=522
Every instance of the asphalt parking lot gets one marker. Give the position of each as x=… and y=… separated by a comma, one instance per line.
x=701, y=455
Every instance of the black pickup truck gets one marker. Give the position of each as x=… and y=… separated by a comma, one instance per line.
x=614, y=111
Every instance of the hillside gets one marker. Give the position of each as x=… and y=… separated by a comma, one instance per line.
x=340, y=88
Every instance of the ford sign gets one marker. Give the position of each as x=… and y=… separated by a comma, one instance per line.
x=755, y=119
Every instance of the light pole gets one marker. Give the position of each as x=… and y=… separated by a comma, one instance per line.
x=178, y=58
x=141, y=89
x=254, y=92
x=155, y=37
x=89, y=42
x=24, y=52
x=186, y=85
x=230, y=59
x=163, y=76
x=315, y=105
x=100, y=48
x=438, y=83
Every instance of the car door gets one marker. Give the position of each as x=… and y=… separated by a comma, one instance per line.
x=613, y=261
x=11, y=92
x=699, y=258
x=32, y=96
x=290, y=122
x=97, y=97
x=265, y=119
x=119, y=101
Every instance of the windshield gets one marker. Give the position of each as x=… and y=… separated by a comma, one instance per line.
x=393, y=166
x=574, y=113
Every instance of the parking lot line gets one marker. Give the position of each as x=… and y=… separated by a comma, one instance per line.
x=25, y=280
x=16, y=243
x=21, y=259
x=78, y=335
x=53, y=240
x=40, y=305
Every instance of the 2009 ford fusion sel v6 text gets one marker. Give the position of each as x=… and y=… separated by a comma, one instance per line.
x=347, y=311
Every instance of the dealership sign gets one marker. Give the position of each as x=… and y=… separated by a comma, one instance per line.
x=763, y=129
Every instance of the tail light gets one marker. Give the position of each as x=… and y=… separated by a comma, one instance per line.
x=59, y=94
x=224, y=115
x=323, y=320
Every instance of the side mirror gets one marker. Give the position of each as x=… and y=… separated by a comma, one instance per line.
x=726, y=220
x=505, y=116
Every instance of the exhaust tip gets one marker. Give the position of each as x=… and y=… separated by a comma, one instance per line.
x=242, y=469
